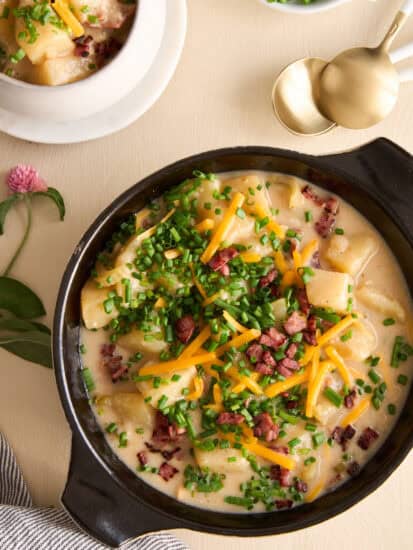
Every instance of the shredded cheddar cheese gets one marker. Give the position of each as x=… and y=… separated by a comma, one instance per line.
x=160, y=302
x=270, y=455
x=205, y=225
x=356, y=412
x=61, y=7
x=250, y=257
x=250, y=334
x=336, y=358
x=198, y=389
x=289, y=278
x=176, y=364
x=223, y=228
x=318, y=487
x=308, y=251
x=211, y=299
x=315, y=363
x=288, y=383
x=197, y=343
x=280, y=262
x=233, y=322
x=272, y=224
x=314, y=388
x=335, y=330
x=297, y=259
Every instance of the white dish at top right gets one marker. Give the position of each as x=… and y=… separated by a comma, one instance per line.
x=298, y=6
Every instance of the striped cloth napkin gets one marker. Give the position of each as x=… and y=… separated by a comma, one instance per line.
x=23, y=527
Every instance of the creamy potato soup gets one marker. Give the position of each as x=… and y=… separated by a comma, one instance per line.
x=246, y=341
x=54, y=42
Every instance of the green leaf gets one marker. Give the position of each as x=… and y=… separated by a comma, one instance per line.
x=34, y=346
x=56, y=198
x=4, y=208
x=20, y=325
x=19, y=299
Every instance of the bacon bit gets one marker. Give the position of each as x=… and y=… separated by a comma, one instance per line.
x=302, y=298
x=332, y=205
x=220, y=260
x=272, y=338
x=343, y=436
x=265, y=427
x=353, y=469
x=310, y=334
x=83, y=46
x=284, y=503
x=264, y=369
x=291, y=405
x=268, y=359
x=315, y=260
x=350, y=398
x=112, y=362
x=325, y=224
x=268, y=279
x=166, y=471
x=230, y=418
x=312, y=196
x=255, y=352
x=167, y=455
x=143, y=458
x=300, y=486
x=295, y=323
x=282, y=475
x=291, y=350
x=184, y=328
x=367, y=438
x=275, y=291
x=164, y=431
x=287, y=366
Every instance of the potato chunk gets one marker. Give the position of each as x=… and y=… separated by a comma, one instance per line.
x=279, y=310
x=91, y=300
x=248, y=186
x=351, y=254
x=217, y=460
x=51, y=41
x=361, y=345
x=130, y=407
x=376, y=300
x=329, y=289
x=172, y=390
x=135, y=341
x=61, y=70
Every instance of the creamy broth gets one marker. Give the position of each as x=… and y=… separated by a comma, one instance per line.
x=308, y=430
x=58, y=42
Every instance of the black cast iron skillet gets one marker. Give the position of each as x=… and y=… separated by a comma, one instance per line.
x=106, y=498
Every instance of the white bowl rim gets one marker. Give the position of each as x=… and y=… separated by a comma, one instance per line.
x=98, y=75
x=303, y=8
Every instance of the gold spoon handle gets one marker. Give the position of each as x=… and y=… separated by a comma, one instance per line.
x=396, y=26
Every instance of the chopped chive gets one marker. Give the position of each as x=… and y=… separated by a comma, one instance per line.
x=318, y=439
x=123, y=439
x=111, y=428
x=339, y=231
x=391, y=409
x=308, y=215
x=374, y=377
x=402, y=379
x=333, y=396
x=88, y=379
x=388, y=322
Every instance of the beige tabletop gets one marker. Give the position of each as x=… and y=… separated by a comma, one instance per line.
x=219, y=96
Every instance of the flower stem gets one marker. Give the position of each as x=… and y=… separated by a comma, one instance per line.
x=25, y=236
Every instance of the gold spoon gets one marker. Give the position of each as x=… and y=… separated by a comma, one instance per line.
x=294, y=101
x=361, y=85
x=296, y=92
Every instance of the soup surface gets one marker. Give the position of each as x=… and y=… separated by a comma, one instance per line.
x=61, y=41
x=245, y=341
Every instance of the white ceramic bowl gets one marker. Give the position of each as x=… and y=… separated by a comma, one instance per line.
x=295, y=6
x=103, y=88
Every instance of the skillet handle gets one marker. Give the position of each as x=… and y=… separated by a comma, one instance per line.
x=100, y=508
x=383, y=169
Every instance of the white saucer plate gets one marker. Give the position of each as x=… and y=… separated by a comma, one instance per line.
x=123, y=113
